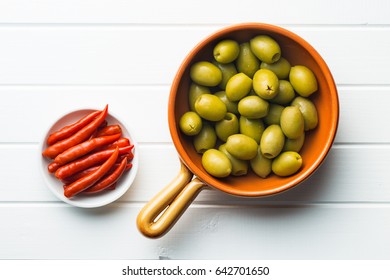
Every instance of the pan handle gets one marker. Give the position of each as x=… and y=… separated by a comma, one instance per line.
x=165, y=208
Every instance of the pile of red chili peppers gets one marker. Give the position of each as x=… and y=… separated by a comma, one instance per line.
x=90, y=155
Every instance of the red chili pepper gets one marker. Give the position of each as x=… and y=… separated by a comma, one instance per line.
x=87, y=161
x=81, y=135
x=93, y=135
x=89, y=180
x=121, y=142
x=68, y=130
x=109, y=179
x=109, y=130
x=84, y=148
x=78, y=175
x=53, y=167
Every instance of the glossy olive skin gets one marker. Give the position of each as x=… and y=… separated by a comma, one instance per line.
x=241, y=146
x=292, y=122
x=239, y=167
x=272, y=141
x=265, y=84
x=253, y=128
x=194, y=92
x=226, y=51
x=229, y=125
x=228, y=70
x=308, y=110
x=294, y=145
x=190, y=123
x=261, y=165
x=281, y=68
x=253, y=107
x=274, y=113
x=231, y=106
x=210, y=107
x=285, y=94
x=205, y=73
x=238, y=86
x=265, y=48
x=286, y=164
x=205, y=139
x=246, y=61
x=303, y=80
x=249, y=109
x=216, y=163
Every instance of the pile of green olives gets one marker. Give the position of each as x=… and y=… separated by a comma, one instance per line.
x=250, y=109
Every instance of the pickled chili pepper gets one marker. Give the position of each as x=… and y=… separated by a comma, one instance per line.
x=109, y=130
x=87, y=161
x=93, y=135
x=78, y=175
x=68, y=130
x=109, y=179
x=89, y=180
x=81, y=135
x=84, y=148
x=53, y=167
x=121, y=142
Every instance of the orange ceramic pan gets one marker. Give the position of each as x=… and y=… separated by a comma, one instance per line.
x=172, y=201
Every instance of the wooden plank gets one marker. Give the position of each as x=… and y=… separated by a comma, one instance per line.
x=202, y=12
x=334, y=231
x=123, y=55
x=142, y=109
x=357, y=124
x=337, y=180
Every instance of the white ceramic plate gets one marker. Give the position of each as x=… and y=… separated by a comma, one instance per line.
x=88, y=200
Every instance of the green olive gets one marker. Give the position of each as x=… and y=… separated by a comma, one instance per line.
x=226, y=51
x=205, y=139
x=239, y=167
x=274, y=112
x=194, y=92
x=303, y=80
x=216, y=163
x=292, y=122
x=281, y=68
x=205, y=73
x=265, y=84
x=308, y=110
x=265, y=48
x=228, y=70
x=253, y=128
x=294, y=144
x=241, y=146
x=238, y=86
x=190, y=123
x=231, y=106
x=285, y=94
x=272, y=141
x=210, y=107
x=253, y=107
x=287, y=163
x=261, y=165
x=246, y=61
x=227, y=126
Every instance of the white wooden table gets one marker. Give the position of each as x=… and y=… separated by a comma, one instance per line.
x=59, y=55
